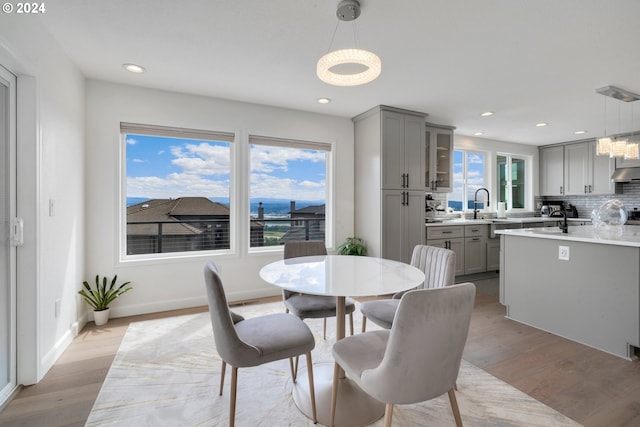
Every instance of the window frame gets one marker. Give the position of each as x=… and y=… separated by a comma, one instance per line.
x=262, y=139
x=528, y=162
x=487, y=176
x=127, y=128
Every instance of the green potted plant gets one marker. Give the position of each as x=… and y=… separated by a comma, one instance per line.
x=101, y=296
x=353, y=246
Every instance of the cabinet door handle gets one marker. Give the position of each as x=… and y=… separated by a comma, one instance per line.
x=447, y=232
x=590, y=190
x=585, y=189
x=561, y=192
x=407, y=175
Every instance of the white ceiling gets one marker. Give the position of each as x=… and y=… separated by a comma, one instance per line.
x=528, y=61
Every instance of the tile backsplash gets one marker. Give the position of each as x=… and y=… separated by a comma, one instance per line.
x=630, y=196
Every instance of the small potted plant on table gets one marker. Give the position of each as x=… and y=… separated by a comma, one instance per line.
x=103, y=295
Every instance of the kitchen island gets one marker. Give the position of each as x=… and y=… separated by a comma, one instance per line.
x=583, y=285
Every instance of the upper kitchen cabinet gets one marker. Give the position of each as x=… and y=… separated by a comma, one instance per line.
x=574, y=169
x=439, y=158
x=402, y=150
x=551, y=171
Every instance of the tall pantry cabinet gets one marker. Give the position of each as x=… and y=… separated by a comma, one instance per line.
x=390, y=181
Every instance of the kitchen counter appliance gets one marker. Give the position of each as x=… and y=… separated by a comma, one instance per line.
x=633, y=217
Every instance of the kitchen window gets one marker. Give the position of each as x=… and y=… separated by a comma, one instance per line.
x=511, y=181
x=176, y=191
x=289, y=189
x=469, y=174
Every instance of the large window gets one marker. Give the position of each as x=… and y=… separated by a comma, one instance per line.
x=177, y=190
x=468, y=175
x=511, y=181
x=288, y=190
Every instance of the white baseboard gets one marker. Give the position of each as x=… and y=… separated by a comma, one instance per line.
x=176, y=304
x=56, y=351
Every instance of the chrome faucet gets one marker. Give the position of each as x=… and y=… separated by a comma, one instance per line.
x=475, y=201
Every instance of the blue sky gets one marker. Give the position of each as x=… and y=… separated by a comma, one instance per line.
x=160, y=167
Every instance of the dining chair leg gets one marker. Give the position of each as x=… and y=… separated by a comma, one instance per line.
x=334, y=393
x=388, y=414
x=222, y=372
x=364, y=323
x=294, y=368
x=312, y=389
x=324, y=328
x=454, y=407
x=232, y=399
x=351, y=323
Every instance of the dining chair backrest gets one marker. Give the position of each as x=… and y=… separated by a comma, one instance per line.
x=438, y=265
x=230, y=347
x=425, y=345
x=300, y=248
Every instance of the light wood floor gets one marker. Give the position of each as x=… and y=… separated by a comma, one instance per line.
x=591, y=387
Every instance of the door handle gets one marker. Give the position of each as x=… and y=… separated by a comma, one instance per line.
x=17, y=232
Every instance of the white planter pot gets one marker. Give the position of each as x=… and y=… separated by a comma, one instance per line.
x=101, y=317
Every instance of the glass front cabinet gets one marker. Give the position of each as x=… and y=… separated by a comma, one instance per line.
x=439, y=159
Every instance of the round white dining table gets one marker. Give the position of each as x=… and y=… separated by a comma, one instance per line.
x=340, y=276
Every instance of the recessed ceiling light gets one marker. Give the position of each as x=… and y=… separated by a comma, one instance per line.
x=541, y=124
x=487, y=114
x=323, y=100
x=580, y=132
x=134, y=68
x=478, y=133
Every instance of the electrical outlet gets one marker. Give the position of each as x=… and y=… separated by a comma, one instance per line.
x=563, y=253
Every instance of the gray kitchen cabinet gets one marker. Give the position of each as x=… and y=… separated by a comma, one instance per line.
x=603, y=168
x=575, y=169
x=585, y=172
x=457, y=246
x=403, y=148
x=450, y=237
x=389, y=184
x=439, y=158
x=493, y=254
x=475, y=248
x=403, y=220
x=551, y=171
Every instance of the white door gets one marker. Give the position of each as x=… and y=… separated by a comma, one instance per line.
x=10, y=233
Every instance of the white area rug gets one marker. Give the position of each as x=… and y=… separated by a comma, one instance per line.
x=167, y=373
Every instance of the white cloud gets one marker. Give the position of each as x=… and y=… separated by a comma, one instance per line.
x=202, y=159
x=137, y=161
x=268, y=186
x=268, y=159
x=131, y=141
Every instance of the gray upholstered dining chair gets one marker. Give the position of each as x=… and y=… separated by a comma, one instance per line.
x=419, y=358
x=438, y=265
x=251, y=342
x=307, y=306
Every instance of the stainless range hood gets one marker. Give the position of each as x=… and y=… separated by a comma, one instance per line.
x=626, y=175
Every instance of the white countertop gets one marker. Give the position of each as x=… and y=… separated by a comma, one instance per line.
x=449, y=222
x=628, y=235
